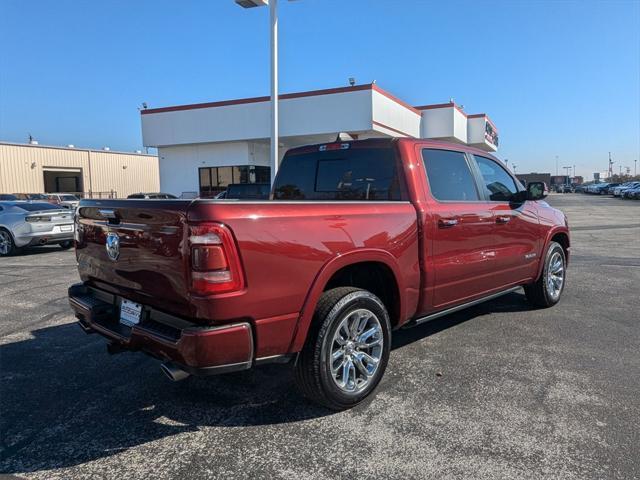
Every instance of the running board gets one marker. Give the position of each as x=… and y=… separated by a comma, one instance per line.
x=457, y=308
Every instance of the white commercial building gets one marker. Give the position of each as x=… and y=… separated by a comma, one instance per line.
x=204, y=147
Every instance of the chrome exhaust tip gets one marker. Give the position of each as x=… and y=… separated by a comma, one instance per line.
x=174, y=372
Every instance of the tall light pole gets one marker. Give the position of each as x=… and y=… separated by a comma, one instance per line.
x=513, y=165
x=273, y=14
x=635, y=164
x=556, y=165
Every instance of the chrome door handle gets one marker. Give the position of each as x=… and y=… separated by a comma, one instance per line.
x=447, y=222
x=503, y=219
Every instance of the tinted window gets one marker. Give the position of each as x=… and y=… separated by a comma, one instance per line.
x=350, y=174
x=498, y=184
x=449, y=175
x=248, y=191
x=136, y=195
x=34, y=207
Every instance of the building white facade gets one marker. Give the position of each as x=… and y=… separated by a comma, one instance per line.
x=203, y=147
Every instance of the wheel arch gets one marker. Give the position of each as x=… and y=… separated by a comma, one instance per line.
x=561, y=236
x=342, y=267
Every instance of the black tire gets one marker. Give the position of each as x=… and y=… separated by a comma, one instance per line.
x=313, y=368
x=7, y=245
x=66, y=245
x=538, y=293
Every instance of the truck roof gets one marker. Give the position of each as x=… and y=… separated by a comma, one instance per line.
x=388, y=143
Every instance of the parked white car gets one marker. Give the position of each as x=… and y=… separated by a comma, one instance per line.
x=617, y=192
x=65, y=200
x=24, y=224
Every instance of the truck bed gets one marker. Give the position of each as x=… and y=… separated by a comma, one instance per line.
x=283, y=246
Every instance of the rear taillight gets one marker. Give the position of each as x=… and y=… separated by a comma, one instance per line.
x=215, y=263
x=38, y=218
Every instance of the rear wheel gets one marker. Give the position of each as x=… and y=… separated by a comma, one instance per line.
x=347, y=349
x=7, y=245
x=547, y=290
x=66, y=245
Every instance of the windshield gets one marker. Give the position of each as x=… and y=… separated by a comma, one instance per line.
x=68, y=198
x=36, y=206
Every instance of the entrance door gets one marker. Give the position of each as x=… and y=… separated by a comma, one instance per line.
x=62, y=180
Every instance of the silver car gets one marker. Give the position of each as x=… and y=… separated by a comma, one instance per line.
x=23, y=224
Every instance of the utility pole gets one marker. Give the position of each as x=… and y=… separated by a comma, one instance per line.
x=611, y=162
x=273, y=16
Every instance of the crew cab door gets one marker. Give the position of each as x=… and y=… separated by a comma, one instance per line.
x=459, y=238
x=516, y=229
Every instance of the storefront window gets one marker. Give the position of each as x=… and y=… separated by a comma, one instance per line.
x=214, y=180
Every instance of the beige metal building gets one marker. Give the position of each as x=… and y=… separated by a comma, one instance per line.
x=32, y=168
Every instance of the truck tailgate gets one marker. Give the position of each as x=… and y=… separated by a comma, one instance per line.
x=148, y=263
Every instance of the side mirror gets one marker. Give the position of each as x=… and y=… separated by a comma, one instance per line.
x=537, y=190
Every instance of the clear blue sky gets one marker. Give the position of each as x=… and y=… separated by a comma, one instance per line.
x=557, y=77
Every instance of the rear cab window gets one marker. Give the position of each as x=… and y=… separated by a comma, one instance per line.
x=449, y=175
x=342, y=172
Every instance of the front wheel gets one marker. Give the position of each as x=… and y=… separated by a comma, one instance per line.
x=547, y=290
x=347, y=349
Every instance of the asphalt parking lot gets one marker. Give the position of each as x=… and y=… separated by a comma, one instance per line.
x=497, y=391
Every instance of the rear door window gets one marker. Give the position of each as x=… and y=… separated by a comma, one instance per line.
x=359, y=173
x=449, y=175
x=498, y=185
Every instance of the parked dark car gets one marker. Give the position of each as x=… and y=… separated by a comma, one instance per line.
x=7, y=197
x=611, y=187
x=563, y=188
x=152, y=196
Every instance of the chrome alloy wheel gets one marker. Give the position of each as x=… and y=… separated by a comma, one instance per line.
x=555, y=275
x=356, y=350
x=5, y=242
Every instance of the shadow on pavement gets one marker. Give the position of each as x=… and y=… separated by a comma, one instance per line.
x=65, y=402
x=39, y=250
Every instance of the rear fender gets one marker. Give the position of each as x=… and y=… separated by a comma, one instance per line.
x=325, y=274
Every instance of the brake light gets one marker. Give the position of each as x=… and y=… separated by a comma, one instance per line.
x=215, y=263
x=333, y=146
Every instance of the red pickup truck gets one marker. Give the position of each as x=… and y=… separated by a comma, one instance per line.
x=359, y=238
